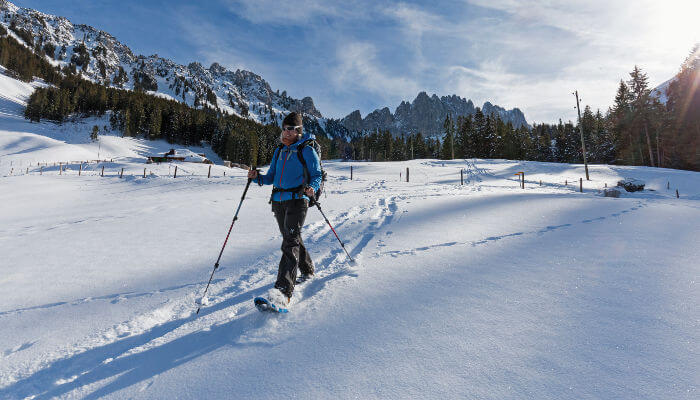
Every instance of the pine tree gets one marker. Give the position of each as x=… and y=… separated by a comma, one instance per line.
x=448, y=142
x=681, y=141
x=465, y=131
x=620, y=121
x=641, y=110
x=588, y=125
x=480, y=140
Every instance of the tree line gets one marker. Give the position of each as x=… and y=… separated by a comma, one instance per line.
x=135, y=113
x=487, y=136
x=637, y=130
x=650, y=132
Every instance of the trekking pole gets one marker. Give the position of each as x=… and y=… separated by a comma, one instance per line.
x=216, y=265
x=336, y=235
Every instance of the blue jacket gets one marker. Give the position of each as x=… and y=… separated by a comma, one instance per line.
x=288, y=172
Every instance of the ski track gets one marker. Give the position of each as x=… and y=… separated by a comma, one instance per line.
x=487, y=240
x=229, y=302
x=126, y=344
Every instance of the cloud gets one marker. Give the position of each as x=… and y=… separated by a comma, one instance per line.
x=542, y=100
x=297, y=12
x=645, y=30
x=366, y=54
x=358, y=69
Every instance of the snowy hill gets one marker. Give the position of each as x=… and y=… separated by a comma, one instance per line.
x=23, y=142
x=481, y=290
x=103, y=59
x=660, y=91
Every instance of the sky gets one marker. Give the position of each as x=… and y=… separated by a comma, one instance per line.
x=365, y=54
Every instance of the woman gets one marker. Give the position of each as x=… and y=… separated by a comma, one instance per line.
x=294, y=184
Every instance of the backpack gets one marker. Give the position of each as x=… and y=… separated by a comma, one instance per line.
x=307, y=178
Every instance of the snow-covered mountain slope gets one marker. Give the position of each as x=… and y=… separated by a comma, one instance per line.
x=23, y=143
x=478, y=291
x=660, y=91
x=101, y=58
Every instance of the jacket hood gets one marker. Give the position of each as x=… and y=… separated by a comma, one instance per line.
x=306, y=136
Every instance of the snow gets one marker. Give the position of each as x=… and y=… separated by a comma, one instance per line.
x=660, y=91
x=482, y=290
x=162, y=95
x=242, y=86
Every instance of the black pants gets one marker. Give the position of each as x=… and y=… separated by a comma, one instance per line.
x=290, y=217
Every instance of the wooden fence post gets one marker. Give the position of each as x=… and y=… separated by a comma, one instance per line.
x=144, y=172
x=461, y=177
x=566, y=182
x=41, y=171
x=668, y=185
x=522, y=179
x=103, y=171
x=540, y=182
x=175, y=175
x=351, y=172
x=209, y=173
x=406, y=174
x=580, y=182
x=677, y=196
x=121, y=173
x=80, y=169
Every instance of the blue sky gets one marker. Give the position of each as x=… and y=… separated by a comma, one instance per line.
x=363, y=55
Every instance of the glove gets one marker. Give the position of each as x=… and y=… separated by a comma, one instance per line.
x=309, y=191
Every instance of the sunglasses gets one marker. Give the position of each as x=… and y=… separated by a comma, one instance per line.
x=291, y=128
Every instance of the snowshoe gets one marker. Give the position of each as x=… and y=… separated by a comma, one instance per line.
x=265, y=305
x=274, y=301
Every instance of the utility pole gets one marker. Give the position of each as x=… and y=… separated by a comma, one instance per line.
x=580, y=129
x=452, y=142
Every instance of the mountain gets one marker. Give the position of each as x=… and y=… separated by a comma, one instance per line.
x=426, y=114
x=101, y=58
x=660, y=91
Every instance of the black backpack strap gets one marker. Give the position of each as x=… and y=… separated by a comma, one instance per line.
x=275, y=157
x=300, y=150
x=307, y=177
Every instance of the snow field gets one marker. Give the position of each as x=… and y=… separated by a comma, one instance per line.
x=513, y=292
x=478, y=291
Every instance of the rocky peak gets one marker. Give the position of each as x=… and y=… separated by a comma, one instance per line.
x=378, y=119
x=217, y=69
x=353, y=121
x=100, y=57
x=426, y=114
